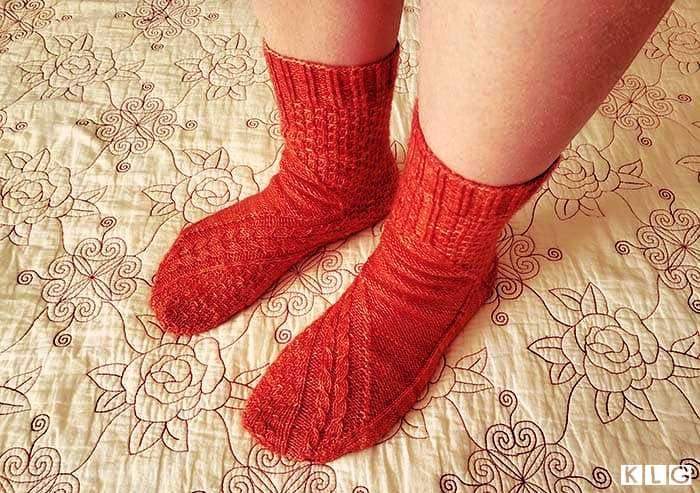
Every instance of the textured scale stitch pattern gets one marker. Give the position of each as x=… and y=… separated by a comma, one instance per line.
x=337, y=176
x=343, y=382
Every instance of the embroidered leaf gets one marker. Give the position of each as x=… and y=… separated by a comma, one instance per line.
x=685, y=365
x=535, y=460
x=162, y=209
x=132, y=68
x=634, y=168
x=160, y=193
x=217, y=92
x=109, y=401
x=590, y=207
x=64, y=41
x=23, y=381
x=399, y=151
x=566, y=209
x=238, y=93
x=218, y=159
x=30, y=78
x=413, y=424
x=84, y=42
x=219, y=40
x=470, y=382
x=593, y=301
x=83, y=208
x=144, y=435
x=20, y=234
x=237, y=42
x=242, y=387
x=674, y=19
x=475, y=362
x=33, y=66
x=559, y=374
x=18, y=159
x=549, y=349
x=637, y=403
x=687, y=345
x=108, y=377
x=197, y=156
x=151, y=326
x=570, y=299
x=188, y=64
x=692, y=235
x=653, y=53
x=92, y=195
x=12, y=401
x=75, y=93
x=175, y=435
x=53, y=92
x=192, y=77
x=609, y=405
x=632, y=182
x=468, y=374
x=250, y=376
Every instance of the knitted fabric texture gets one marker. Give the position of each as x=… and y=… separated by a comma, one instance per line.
x=345, y=381
x=337, y=176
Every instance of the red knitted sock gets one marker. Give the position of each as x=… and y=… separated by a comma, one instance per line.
x=342, y=383
x=337, y=176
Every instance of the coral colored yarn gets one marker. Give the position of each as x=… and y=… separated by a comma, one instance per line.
x=343, y=382
x=337, y=176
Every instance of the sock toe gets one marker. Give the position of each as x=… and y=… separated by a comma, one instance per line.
x=283, y=410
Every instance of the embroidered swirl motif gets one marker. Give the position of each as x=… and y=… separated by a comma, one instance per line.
x=37, y=469
x=670, y=243
x=265, y=471
x=517, y=456
x=634, y=105
x=136, y=125
x=164, y=19
x=271, y=124
x=17, y=127
x=97, y=271
x=21, y=18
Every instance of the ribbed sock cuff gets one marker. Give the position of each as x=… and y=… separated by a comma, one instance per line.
x=298, y=82
x=456, y=215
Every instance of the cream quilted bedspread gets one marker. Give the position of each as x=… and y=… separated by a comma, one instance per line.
x=122, y=121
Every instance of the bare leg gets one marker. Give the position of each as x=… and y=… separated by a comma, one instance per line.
x=337, y=32
x=504, y=86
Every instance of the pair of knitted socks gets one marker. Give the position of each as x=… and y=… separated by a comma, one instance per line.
x=344, y=381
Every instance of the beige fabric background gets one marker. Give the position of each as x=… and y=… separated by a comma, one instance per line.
x=120, y=121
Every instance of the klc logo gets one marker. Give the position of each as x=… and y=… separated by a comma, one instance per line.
x=655, y=474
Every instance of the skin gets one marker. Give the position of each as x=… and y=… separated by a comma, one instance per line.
x=503, y=86
x=336, y=32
